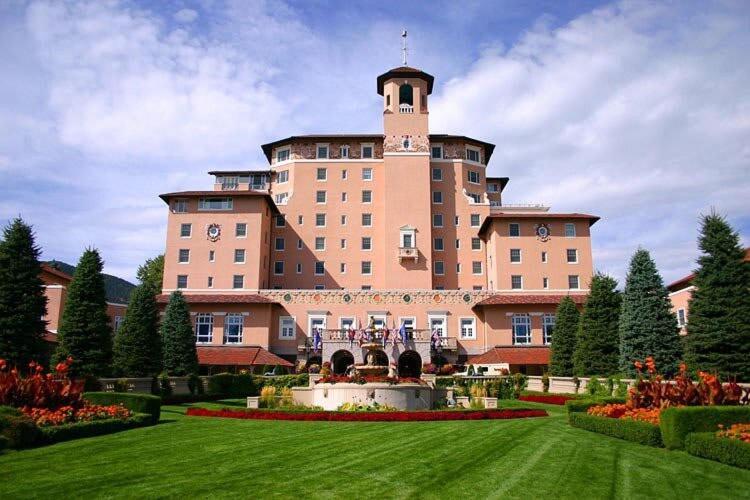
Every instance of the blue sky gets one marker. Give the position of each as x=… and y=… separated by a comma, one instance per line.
x=636, y=111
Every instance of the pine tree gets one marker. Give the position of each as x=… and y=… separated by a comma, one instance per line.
x=85, y=333
x=597, y=346
x=152, y=271
x=564, y=338
x=180, y=356
x=138, y=349
x=718, y=330
x=22, y=301
x=647, y=325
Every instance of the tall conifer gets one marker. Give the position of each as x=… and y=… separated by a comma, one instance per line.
x=180, y=356
x=564, y=338
x=138, y=349
x=597, y=348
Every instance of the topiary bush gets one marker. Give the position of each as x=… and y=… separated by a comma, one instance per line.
x=677, y=423
x=629, y=430
x=135, y=402
x=724, y=450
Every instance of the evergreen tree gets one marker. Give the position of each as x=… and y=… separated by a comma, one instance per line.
x=180, y=355
x=564, y=338
x=138, y=349
x=597, y=346
x=152, y=272
x=22, y=301
x=85, y=333
x=718, y=330
x=647, y=325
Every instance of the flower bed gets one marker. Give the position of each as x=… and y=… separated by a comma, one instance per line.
x=550, y=399
x=364, y=379
x=44, y=417
x=380, y=416
x=623, y=411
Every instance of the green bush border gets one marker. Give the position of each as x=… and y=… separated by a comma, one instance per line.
x=677, y=423
x=19, y=430
x=629, y=430
x=133, y=401
x=58, y=433
x=727, y=451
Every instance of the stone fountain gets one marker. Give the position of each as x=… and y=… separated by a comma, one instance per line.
x=371, y=367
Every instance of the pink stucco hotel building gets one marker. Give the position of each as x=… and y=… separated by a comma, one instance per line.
x=349, y=230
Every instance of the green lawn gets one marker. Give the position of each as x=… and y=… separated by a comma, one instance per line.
x=209, y=457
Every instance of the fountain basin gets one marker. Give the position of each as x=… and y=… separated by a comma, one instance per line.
x=406, y=396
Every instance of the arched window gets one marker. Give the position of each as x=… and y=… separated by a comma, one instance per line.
x=406, y=94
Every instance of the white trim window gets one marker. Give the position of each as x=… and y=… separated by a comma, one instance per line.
x=467, y=327
x=437, y=197
x=118, y=323
x=278, y=268
x=544, y=257
x=280, y=244
x=366, y=220
x=681, y=318
x=186, y=230
x=514, y=230
x=315, y=321
x=367, y=151
x=409, y=322
x=180, y=206
x=438, y=245
x=182, y=281
x=344, y=154
x=240, y=230
x=572, y=255
x=280, y=220
x=472, y=154
x=437, y=220
x=233, y=323
x=437, y=174
x=366, y=267
x=238, y=281
x=321, y=174
x=282, y=176
x=239, y=255
x=408, y=238
x=320, y=220
x=209, y=204
x=570, y=230
x=366, y=243
x=320, y=197
x=320, y=243
x=438, y=322
x=548, y=328
x=439, y=268
x=204, y=328
x=476, y=267
x=515, y=255
x=183, y=256
x=346, y=322
x=473, y=177
x=320, y=268
x=521, y=326
x=367, y=174
x=366, y=196
x=287, y=327
x=476, y=244
x=321, y=152
x=436, y=152
x=516, y=282
x=283, y=154
x=573, y=283
x=475, y=220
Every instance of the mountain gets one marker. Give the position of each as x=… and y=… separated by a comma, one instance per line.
x=117, y=289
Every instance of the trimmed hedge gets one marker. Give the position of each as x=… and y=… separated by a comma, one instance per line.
x=724, y=450
x=629, y=430
x=3, y=443
x=581, y=405
x=66, y=432
x=135, y=402
x=19, y=430
x=676, y=423
x=230, y=384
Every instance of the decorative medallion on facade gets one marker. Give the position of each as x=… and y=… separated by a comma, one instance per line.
x=213, y=232
x=316, y=297
x=406, y=298
x=542, y=232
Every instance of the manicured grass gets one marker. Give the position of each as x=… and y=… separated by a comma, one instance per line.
x=210, y=457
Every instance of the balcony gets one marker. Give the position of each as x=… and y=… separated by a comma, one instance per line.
x=406, y=109
x=408, y=253
x=336, y=335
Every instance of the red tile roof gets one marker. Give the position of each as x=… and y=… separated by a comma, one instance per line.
x=56, y=272
x=511, y=298
x=513, y=355
x=238, y=356
x=247, y=298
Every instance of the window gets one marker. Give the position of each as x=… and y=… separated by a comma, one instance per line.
x=282, y=155
x=439, y=244
x=320, y=268
x=210, y=282
x=476, y=244
x=184, y=256
x=180, y=206
x=476, y=267
x=438, y=323
x=366, y=174
x=521, y=324
x=343, y=243
x=366, y=243
x=320, y=220
x=342, y=268
x=437, y=197
x=367, y=150
x=570, y=230
x=343, y=220
x=239, y=256
x=280, y=221
x=344, y=173
x=573, y=282
x=468, y=328
x=238, y=281
x=475, y=221
x=458, y=244
x=281, y=198
x=233, y=328
x=572, y=256
x=322, y=154
x=320, y=243
x=367, y=196
x=300, y=219
x=186, y=230
x=299, y=243
x=548, y=326
x=472, y=154
x=282, y=177
x=475, y=198
x=458, y=268
x=439, y=267
x=299, y=268
x=321, y=174
x=544, y=257
x=437, y=174
x=118, y=323
x=408, y=237
x=320, y=197
x=437, y=220
x=366, y=287
x=514, y=230
x=278, y=267
x=456, y=220
x=240, y=230
x=515, y=255
x=545, y=282
x=366, y=267
x=473, y=177
x=516, y=282
x=215, y=204
x=493, y=188
x=211, y=255
x=343, y=197
x=406, y=94
x=204, y=328
x=319, y=287
x=436, y=152
x=367, y=220
x=476, y=287
x=344, y=153
x=681, y=318
x=287, y=327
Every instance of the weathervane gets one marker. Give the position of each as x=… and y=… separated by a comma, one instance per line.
x=403, y=48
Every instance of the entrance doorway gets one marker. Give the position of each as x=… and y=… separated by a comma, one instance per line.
x=410, y=364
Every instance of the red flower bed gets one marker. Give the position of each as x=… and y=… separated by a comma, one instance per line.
x=67, y=414
x=38, y=390
x=552, y=399
x=394, y=416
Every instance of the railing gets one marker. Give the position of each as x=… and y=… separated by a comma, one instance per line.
x=414, y=335
x=229, y=186
x=406, y=109
x=408, y=253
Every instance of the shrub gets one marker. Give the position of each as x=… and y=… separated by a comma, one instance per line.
x=621, y=389
x=629, y=430
x=195, y=384
x=502, y=388
x=66, y=432
x=165, y=388
x=3, y=443
x=724, y=450
x=677, y=423
x=520, y=381
x=577, y=383
x=268, y=397
x=227, y=384
x=19, y=430
x=545, y=382
x=135, y=402
x=595, y=388
x=470, y=372
x=121, y=385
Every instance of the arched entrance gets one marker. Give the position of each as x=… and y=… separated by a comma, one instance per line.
x=410, y=364
x=340, y=361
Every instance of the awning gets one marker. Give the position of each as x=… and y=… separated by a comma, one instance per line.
x=512, y=355
x=238, y=356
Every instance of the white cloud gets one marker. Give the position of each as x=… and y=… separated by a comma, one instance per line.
x=186, y=15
